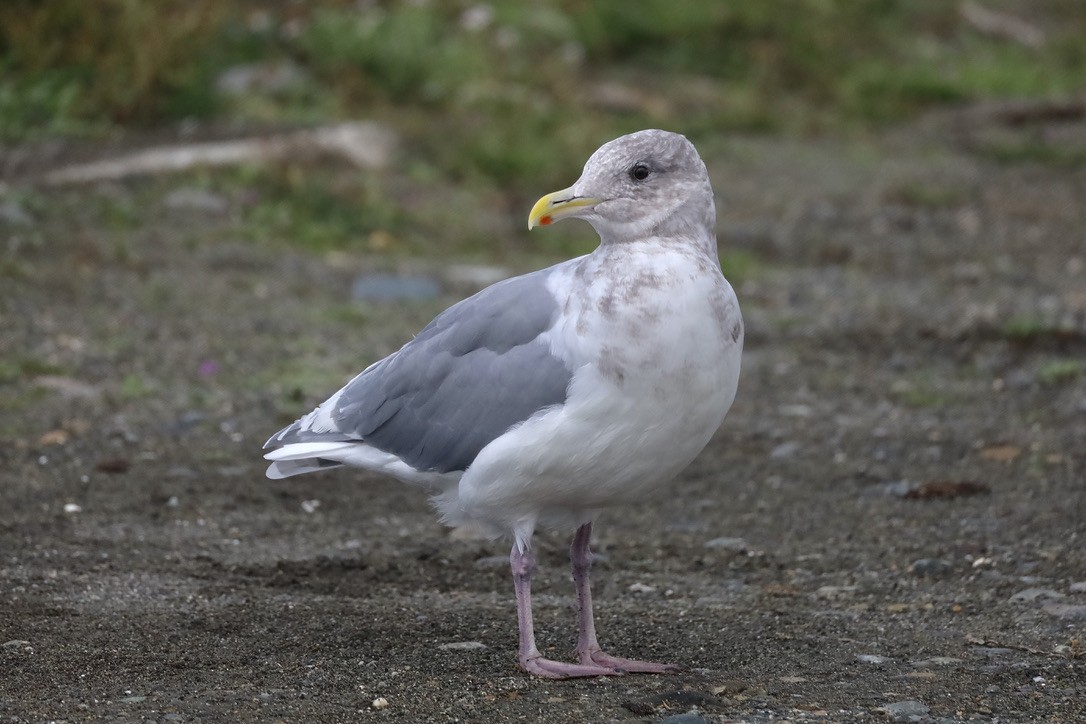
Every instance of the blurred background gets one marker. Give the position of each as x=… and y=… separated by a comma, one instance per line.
x=503, y=100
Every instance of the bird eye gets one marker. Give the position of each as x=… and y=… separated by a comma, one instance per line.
x=639, y=172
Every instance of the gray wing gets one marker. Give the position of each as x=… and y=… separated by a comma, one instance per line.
x=475, y=371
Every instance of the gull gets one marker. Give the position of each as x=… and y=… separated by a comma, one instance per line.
x=548, y=398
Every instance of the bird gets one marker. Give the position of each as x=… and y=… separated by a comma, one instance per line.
x=547, y=398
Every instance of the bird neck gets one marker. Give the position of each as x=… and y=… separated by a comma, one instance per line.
x=688, y=228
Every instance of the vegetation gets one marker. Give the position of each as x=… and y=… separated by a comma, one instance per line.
x=559, y=67
x=504, y=98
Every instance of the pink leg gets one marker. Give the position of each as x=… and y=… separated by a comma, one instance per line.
x=588, y=648
x=523, y=564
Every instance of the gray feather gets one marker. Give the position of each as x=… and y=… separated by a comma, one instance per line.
x=474, y=372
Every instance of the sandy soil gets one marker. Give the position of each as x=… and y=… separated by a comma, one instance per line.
x=891, y=525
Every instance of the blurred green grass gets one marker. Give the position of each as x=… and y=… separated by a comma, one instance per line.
x=503, y=96
x=69, y=66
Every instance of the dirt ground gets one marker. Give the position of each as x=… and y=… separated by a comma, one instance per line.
x=891, y=524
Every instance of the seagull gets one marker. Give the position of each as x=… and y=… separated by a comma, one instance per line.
x=547, y=398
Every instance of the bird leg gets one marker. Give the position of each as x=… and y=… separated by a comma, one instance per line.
x=588, y=648
x=523, y=564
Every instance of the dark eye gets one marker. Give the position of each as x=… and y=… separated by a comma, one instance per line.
x=639, y=172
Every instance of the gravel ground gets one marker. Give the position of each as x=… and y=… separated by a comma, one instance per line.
x=890, y=526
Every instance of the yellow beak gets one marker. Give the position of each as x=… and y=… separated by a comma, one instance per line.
x=557, y=206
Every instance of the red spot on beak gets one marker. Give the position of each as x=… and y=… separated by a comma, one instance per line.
x=545, y=221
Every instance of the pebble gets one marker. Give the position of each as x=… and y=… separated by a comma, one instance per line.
x=391, y=288
x=904, y=710
x=641, y=588
x=379, y=703
x=690, y=717
x=784, y=450
x=938, y=661
x=730, y=687
x=72, y=508
x=896, y=488
x=732, y=544
x=795, y=410
x=931, y=567
x=1030, y=595
x=14, y=644
x=1078, y=587
x=1065, y=611
x=872, y=659
x=991, y=650
x=68, y=387
x=834, y=592
x=462, y=646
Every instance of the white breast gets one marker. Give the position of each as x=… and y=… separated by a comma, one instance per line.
x=656, y=351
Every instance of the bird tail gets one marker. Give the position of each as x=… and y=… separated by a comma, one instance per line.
x=305, y=457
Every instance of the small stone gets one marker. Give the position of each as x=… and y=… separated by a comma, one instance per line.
x=54, y=437
x=835, y=592
x=897, y=488
x=938, y=661
x=462, y=646
x=731, y=687
x=931, y=567
x=72, y=508
x=113, y=465
x=68, y=387
x=1065, y=611
x=392, y=288
x=14, y=644
x=873, y=659
x=379, y=703
x=310, y=506
x=947, y=489
x=992, y=650
x=732, y=544
x=904, y=710
x=1030, y=595
x=690, y=717
x=641, y=588
x=920, y=675
x=784, y=450
x=1078, y=587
